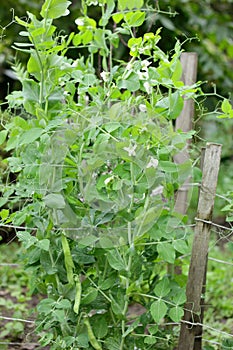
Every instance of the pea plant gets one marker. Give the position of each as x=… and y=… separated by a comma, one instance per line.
x=91, y=143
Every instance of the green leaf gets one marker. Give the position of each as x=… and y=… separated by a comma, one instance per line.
x=63, y=304
x=34, y=65
x=44, y=244
x=100, y=327
x=108, y=282
x=90, y=296
x=136, y=4
x=27, y=239
x=179, y=298
x=115, y=260
x=46, y=264
x=147, y=219
x=131, y=328
x=176, y=105
x=122, y=4
x=55, y=8
x=31, y=95
x=150, y=339
x=88, y=241
x=4, y=213
x=30, y=136
x=181, y=246
x=162, y=288
x=226, y=106
x=55, y=201
x=176, y=313
x=3, y=201
x=117, y=17
x=112, y=343
x=166, y=252
x=172, y=105
x=135, y=19
x=3, y=135
x=131, y=83
x=167, y=166
x=118, y=306
x=158, y=310
x=176, y=76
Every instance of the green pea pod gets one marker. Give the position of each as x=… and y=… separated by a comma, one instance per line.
x=77, y=295
x=68, y=259
x=91, y=335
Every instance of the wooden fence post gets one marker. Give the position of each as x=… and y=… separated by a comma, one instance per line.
x=191, y=323
x=184, y=123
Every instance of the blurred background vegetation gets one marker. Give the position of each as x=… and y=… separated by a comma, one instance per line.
x=203, y=26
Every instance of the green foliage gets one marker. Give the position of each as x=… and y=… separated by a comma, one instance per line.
x=14, y=296
x=92, y=149
x=219, y=312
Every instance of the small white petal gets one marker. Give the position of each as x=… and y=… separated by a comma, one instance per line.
x=157, y=190
x=131, y=150
x=109, y=179
x=142, y=108
x=105, y=76
x=153, y=163
x=148, y=87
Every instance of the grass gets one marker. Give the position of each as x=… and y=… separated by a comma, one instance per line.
x=15, y=302
x=219, y=291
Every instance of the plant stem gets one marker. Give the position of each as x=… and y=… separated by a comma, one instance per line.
x=131, y=245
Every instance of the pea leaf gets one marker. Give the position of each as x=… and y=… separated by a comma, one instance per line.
x=90, y=296
x=55, y=201
x=44, y=244
x=55, y=8
x=30, y=136
x=166, y=252
x=181, y=246
x=27, y=239
x=176, y=105
x=115, y=260
x=131, y=83
x=135, y=19
x=179, y=298
x=158, y=310
x=162, y=288
x=167, y=166
x=3, y=135
x=226, y=106
x=176, y=313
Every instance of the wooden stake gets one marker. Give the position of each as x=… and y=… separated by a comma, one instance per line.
x=197, y=270
x=184, y=123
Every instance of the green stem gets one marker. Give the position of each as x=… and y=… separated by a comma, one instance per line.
x=126, y=304
x=53, y=264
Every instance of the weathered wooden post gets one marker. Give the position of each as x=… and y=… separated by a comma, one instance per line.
x=191, y=323
x=184, y=122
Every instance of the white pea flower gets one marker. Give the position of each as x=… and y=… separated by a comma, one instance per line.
x=148, y=87
x=131, y=150
x=145, y=64
x=75, y=64
x=105, y=76
x=79, y=21
x=143, y=75
x=153, y=163
x=109, y=179
x=129, y=66
x=157, y=190
x=142, y=108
